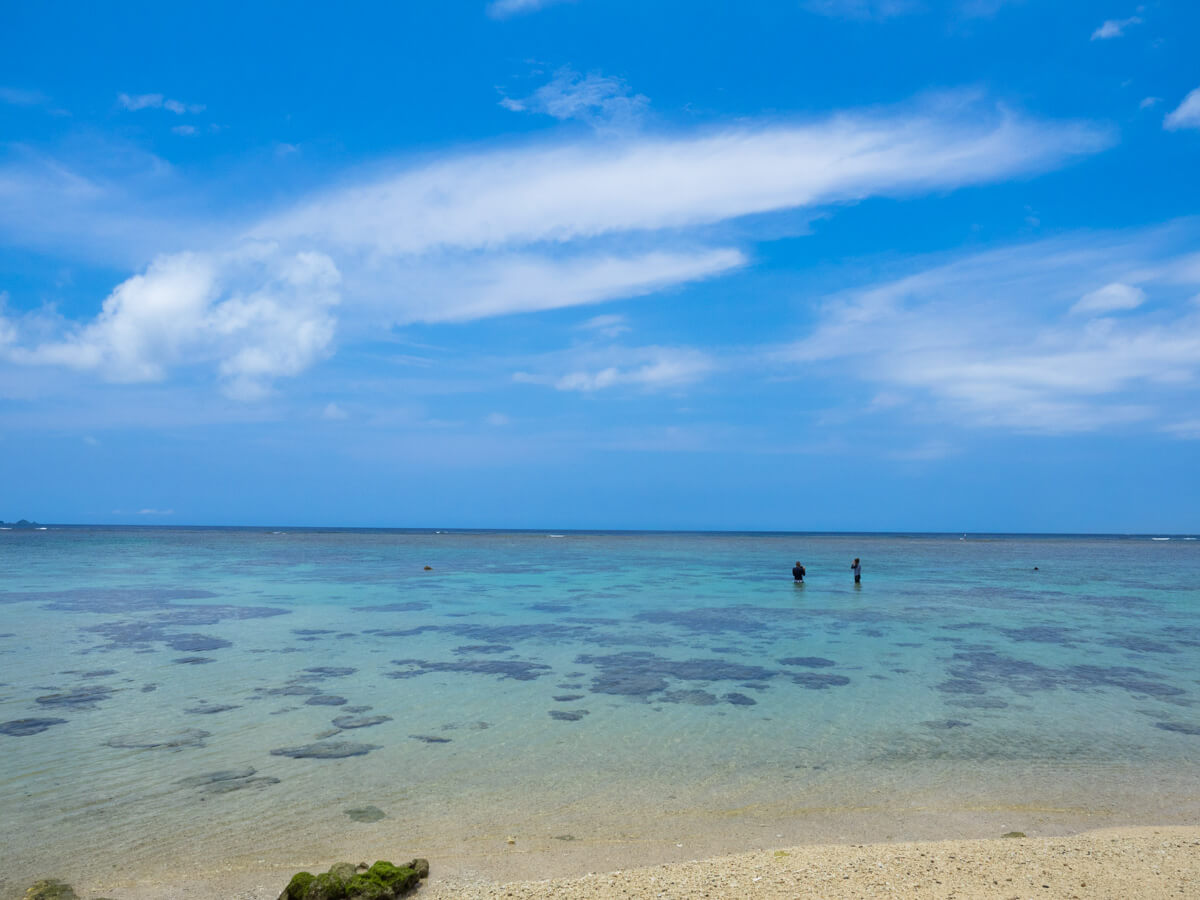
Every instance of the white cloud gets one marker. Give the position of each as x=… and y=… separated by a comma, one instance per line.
x=650, y=368
x=604, y=102
x=1148, y=102
x=563, y=193
x=502, y=9
x=1114, y=28
x=497, y=420
x=1186, y=429
x=925, y=452
x=979, y=338
x=1110, y=298
x=1186, y=115
x=608, y=326
x=185, y=130
x=439, y=291
x=257, y=314
x=135, y=102
x=334, y=413
x=156, y=512
x=140, y=101
x=516, y=230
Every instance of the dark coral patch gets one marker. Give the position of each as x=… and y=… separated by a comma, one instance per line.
x=1141, y=644
x=360, y=721
x=567, y=698
x=568, y=715
x=808, y=662
x=715, y=620
x=208, y=709
x=228, y=781
x=404, y=606
x=196, y=643
x=25, y=727
x=692, y=697
x=819, y=681
x=1178, y=727
x=739, y=699
x=193, y=660
x=468, y=649
x=366, y=814
x=326, y=750
x=78, y=698
x=331, y=671
x=429, y=739
x=150, y=740
x=325, y=700
x=637, y=673
x=516, y=669
x=946, y=724
x=1040, y=634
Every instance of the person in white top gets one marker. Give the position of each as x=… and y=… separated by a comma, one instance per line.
x=856, y=568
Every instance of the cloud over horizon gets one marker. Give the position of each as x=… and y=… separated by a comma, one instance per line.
x=520, y=229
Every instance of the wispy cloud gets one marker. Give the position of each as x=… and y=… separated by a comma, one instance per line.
x=608, y=326
x=649, y=368
x=1110, y=298
x=135, y=102
x=22, y=97
x=574, y=191
x=863, y=9
x=1186, y=114
x=503, y=9
x=603, y=102
x=519, y=230
x=1114, y=28
x=997, y=339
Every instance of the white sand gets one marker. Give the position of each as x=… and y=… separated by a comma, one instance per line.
x=1118, y=863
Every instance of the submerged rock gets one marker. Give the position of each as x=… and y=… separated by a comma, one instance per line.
x=808, y=662
x=25, y=727
x=325, y=700
x=366, y=814
x=208, y=709
x=227, y=781
x=360, y=721
x=740, y=699
x=326, y=750
x=149, y=740
x=817, y=681
x=79, y=698
x=429, y=738
x=383, y=881
x=568, y=715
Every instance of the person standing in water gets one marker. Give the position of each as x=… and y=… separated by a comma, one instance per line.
x=856, y=568
x=798, y=573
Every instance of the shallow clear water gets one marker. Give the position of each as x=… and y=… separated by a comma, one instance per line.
x=607, y=688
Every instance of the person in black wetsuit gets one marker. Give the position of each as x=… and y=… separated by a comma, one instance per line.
x=798, y=572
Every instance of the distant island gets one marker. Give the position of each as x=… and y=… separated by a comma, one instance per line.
x=22, y=523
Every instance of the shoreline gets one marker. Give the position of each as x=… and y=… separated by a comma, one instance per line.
x=1122, y=862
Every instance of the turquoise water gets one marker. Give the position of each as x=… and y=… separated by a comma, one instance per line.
x=169, y=697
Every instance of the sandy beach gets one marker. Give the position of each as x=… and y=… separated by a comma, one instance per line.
x=1145, y=862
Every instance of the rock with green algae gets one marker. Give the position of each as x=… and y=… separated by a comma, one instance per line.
x=51, y=889
x=383, y=881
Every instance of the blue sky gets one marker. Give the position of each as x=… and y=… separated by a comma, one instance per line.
x=826, y=265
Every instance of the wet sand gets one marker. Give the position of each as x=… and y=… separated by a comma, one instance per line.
x=1144, y=862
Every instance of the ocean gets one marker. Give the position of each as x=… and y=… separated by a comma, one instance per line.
x=175, y=700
